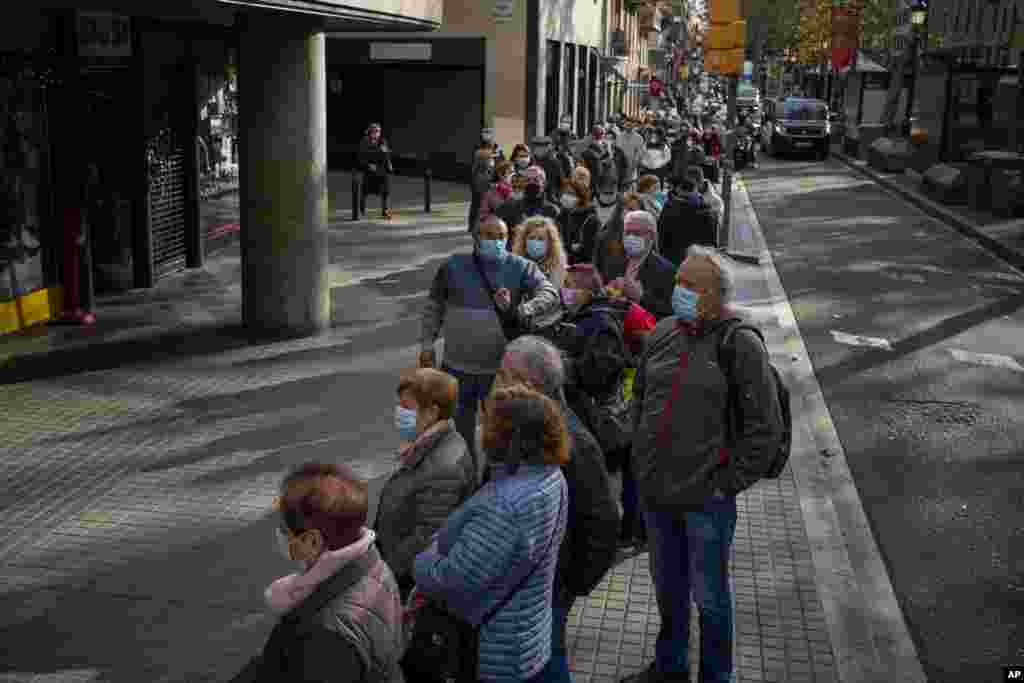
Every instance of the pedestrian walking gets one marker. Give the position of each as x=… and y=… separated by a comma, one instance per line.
x=493, y=563
x=632, y=145
x=688, y=479
x=588, y=550
x=578, y=220
x=648, y=277
x=375, y=164
x=462, y=306
x=340, y=617
x=435, y=472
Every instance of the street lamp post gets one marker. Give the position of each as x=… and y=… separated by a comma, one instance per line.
x=918, y=20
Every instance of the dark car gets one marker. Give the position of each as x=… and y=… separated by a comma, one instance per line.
x=796, y=124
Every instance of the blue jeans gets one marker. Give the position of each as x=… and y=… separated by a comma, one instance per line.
x=632, y=512
x=472, y=390
x=691, y=553
x=557, y=670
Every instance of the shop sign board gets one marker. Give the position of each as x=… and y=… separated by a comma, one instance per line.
x=404, y=52
x=103, y=35
x=504, y=9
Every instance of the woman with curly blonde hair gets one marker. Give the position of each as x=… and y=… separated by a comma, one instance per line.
x=539, y=240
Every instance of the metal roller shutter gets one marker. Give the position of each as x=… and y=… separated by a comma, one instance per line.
x=167, y=210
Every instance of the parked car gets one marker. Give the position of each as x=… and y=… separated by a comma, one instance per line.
x=796, y=124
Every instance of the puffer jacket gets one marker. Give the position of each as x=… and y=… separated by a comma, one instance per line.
x=348, y=629
x=591, y=539
x=485, y=550
x=680, y=459
x=419, y=496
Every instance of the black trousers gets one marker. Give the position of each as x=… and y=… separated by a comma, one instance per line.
x=375, y=184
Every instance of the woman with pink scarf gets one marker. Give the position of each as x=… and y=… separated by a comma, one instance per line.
x=649, y=278
x=340, y=615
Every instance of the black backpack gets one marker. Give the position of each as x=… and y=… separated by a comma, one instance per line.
x=734, y=418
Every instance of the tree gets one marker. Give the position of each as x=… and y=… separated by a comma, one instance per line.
x=878, y=23
x=777, y=23
x=815, y=31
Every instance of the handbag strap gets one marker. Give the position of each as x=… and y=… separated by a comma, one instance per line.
x=490, y=288
x=489, y=614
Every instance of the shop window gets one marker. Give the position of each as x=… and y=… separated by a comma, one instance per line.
x=552, y=105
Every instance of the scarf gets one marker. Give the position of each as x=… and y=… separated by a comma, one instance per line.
x=410, y=455
x=288, y=592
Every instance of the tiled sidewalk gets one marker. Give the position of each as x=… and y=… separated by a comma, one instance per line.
x=781, y=633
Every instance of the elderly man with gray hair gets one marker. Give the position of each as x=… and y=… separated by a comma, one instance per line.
x=591, y=538
x=688, y=478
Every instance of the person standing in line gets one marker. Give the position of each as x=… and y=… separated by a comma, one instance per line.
x=688, y=479
x=461, y=304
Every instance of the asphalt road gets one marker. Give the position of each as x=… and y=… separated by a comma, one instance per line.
x=932, y=434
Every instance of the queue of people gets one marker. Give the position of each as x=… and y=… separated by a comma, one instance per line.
x=572, y=351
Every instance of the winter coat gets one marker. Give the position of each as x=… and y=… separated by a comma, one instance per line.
x=658, y=277
x=515, y=211
x=579, y=228
x=679, y=458
x=591, y=538
x=460, y=306
x=632, y=145
x=380, y=156
x=686, y=220
x=486, y=548
x=419, y=496
x=555, y=172
x=348, y=629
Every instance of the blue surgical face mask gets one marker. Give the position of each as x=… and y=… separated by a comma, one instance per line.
x=536, y=249
x=634, y=245
x=684, y=303
x=405, y=423
x=493, y=250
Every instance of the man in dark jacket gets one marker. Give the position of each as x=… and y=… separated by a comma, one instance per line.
x=533, y=203
x=688, y=479
x=686, y=220
x=591, y=538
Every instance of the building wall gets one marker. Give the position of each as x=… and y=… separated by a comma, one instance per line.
x=427, y=10
x=992, y=35
x=573, y=21
x=637, y=45
x=505, y=91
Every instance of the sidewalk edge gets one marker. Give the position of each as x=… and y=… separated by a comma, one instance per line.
x=868, y=632
x=939, y=212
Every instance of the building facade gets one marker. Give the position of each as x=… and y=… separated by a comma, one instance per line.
x=118, y=109
x=632, y=33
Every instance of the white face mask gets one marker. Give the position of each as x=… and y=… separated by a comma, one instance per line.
x=569, y=201
x=522, y=163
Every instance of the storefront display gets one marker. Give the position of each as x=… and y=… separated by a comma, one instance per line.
x=24, y=148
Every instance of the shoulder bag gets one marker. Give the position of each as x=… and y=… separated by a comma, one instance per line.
x=444, y=648
x=510, y=324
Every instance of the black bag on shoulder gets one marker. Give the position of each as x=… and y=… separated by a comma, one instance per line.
x=734, y=418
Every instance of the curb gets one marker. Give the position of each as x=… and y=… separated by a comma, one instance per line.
x=935, y=210
x=867, y=628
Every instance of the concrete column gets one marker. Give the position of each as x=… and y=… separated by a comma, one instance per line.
x=283, y=176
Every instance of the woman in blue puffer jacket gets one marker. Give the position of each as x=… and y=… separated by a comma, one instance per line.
x=494, y=561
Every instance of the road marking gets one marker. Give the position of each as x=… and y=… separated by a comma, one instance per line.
x=859, y=340
x=991, y=359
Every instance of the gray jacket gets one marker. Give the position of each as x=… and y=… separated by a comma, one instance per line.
x=418, y=498
x=679, y=460
x=348, y=629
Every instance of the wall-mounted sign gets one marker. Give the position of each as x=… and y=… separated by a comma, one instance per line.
x=406, y=52
x=504, y=9
x=102, y=34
